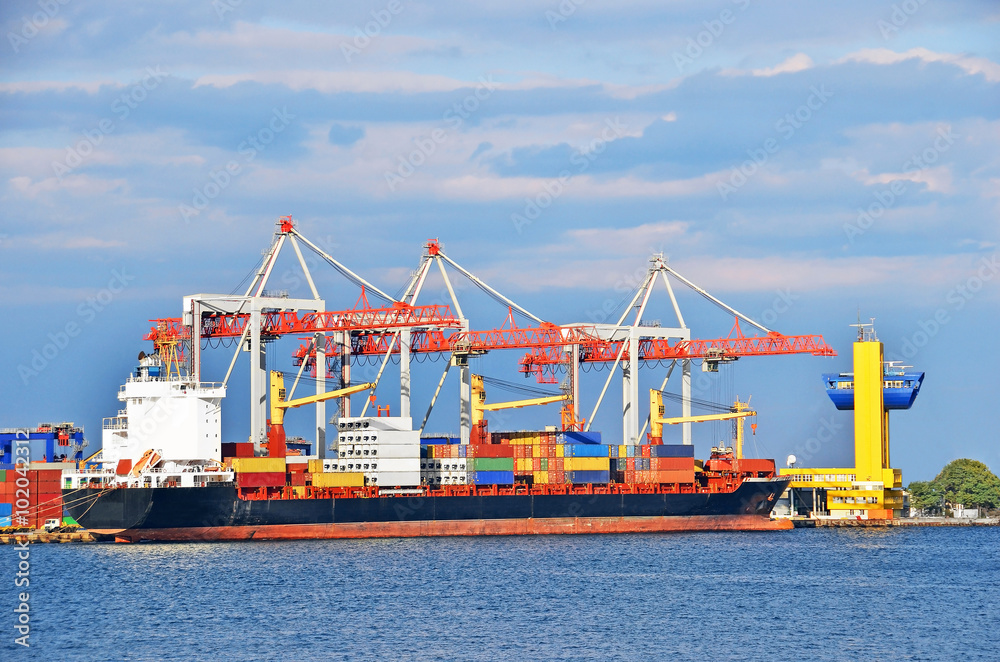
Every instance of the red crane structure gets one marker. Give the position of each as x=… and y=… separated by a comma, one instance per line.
x=570, y=345
x=403, y=328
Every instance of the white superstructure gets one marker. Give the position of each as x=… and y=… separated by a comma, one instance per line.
x=169, y=433
x=386, y=449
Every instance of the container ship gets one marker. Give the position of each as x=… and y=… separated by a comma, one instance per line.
x=385, y=481
x=164, y=474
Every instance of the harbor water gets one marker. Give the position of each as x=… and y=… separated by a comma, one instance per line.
x=825, y=594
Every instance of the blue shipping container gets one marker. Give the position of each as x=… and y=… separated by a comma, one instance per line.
x=495, y=477
x=6, y=509
x=573, y=437
x=585, y=450
x=672, y=450
x=581, y=477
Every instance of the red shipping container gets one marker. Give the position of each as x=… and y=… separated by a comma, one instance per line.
x=645, y=450
x=297, y=468
x=490, y=450
x=260, y=479
x=297, y=479
x=240, y=449
x=756, y=465
x=671, y=463
x=673, y=476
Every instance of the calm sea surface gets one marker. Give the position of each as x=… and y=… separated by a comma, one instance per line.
x=894, y=594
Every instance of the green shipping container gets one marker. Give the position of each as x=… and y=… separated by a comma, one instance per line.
x=491, y=464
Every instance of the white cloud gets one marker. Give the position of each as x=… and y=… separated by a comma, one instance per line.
x=35, y=86
x=796, y=63
x=970, y=65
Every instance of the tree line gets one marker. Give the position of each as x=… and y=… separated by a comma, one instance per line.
x=966, y=482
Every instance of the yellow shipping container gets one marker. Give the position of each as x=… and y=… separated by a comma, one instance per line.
x=299, y=491
x=622, y=451
x=341, y=479
x=560, y=450
x=252, y=465
x=536, y=450
x=315, y=466
x=544, y=480
x=585, y=464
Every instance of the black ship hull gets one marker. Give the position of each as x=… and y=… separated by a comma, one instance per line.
x=218, y=513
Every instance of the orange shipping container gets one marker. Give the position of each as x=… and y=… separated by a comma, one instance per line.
x=673, y=476
x=671, y=463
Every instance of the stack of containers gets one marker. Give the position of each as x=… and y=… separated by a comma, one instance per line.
x=252, y=472
x=444, y=471
x=667, y=463
x=491, y=464
x=555, y=458
x=49, y=492
x=386, y=450
x=41, y=497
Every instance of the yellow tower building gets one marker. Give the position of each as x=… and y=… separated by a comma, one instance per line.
x=871, y=489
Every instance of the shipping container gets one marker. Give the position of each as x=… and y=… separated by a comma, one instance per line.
x=573, y=437
x=341, y=479
x=586, y=450
x=260, y=479
x=315, y=466
x=672, y=450
x=489, y=450
x=672, y=476
x=586, y=464
x=493, y=477
x=389, y=479
x=671, y=463
x=582, y=477
x=491, y=464
x=259, y=465
x=241, y=449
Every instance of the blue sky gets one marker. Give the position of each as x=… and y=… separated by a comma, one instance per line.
x=799, y=161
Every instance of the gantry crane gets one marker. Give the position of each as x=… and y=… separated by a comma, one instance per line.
x=480, y=431
x=276, y=424
x=740, y=411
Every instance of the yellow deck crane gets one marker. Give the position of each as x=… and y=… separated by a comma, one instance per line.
x=479, y=407
x=276, y=427
x=740, y=410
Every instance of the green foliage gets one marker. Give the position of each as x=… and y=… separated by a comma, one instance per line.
x=969, y=483
x=924, y=495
